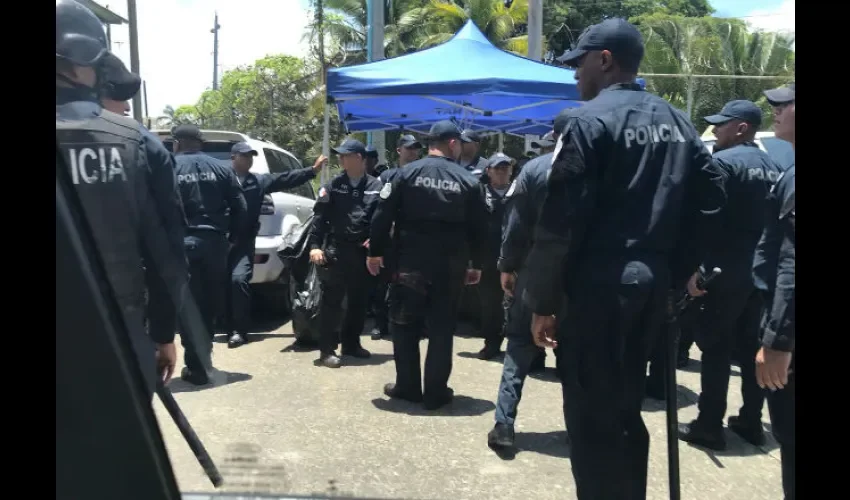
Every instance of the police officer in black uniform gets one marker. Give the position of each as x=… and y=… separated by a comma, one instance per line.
x=774, y=270
x=338, y=241
x=241, y=257
x=630, y=180
x=372, y=167
x=728, y=320
x=470, y=156
x=522, y=356
x=120, y=87
x=408, y=149
x=129, y=196
x=216, y=211
x=439, y=214
x=499, y=169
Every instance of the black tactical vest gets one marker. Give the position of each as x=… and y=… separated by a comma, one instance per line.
x=103, y=152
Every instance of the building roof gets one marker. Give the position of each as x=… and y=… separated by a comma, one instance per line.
x=105, y=15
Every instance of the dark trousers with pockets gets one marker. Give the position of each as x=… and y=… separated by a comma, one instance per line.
x=347, y=277
x=417, y=301
x=781, y=405
x=492, y=311
x=520, y=354
x=207, y=254
x=241, y=265
x=614, y=314
x=729, y=323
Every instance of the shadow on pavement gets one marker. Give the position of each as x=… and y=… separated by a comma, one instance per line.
x=547, y=375
x=686, y=398
x=461, y=406
x=499, y=358
x=220, y=378
x=553, y=443
x=375, y=360
x=296, y=346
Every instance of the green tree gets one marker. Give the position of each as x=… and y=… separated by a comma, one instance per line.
x=277, y=99
x=503, y=25
x=564, y=20
x=712, y=46
x=345, y=29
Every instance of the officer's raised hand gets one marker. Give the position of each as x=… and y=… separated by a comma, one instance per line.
x=320, y=163
x=374, y=265
x=543, y=331
x=317, y=256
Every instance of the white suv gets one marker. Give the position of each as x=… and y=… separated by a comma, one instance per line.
x=279, y=214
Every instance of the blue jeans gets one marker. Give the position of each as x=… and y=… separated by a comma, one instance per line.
x=519, y=356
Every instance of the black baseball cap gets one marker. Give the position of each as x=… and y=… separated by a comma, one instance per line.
x=740, y=109
x=547, y=141
x=371, y=152
x=121, y=84
x=446, y=129
x=242, y=148
x=408, y=141
x=187, y=131
x=471, y=135
x=615, y=35
x=349, y=146
x=782, y=95
x=498, y=159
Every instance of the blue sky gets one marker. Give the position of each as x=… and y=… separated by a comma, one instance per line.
x=176, y=45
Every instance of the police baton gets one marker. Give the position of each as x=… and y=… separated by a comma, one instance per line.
x=189, y=434
x=670, y=381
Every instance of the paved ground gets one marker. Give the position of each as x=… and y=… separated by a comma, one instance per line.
x=274, y=423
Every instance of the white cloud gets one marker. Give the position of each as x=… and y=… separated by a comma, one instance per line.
x=175, y=43
x=778, y=19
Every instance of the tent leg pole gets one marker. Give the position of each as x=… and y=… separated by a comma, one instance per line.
x=326, y=142
x=501, y=142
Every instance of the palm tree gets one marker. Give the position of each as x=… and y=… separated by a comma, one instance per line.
x=165, y=120
x=345, y=23
x=712, y=46
x=503, y=24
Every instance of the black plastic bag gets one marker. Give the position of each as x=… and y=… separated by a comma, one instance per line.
x=305, y=288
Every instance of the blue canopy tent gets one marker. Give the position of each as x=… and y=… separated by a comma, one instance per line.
x=466, y=78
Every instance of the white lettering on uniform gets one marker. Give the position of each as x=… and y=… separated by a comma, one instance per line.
x=196, y=177
x=441, y=184
x=758, y=173
x=92, y=167
x=652, y=134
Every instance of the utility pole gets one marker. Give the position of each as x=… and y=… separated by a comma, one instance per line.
x=535, y=29
x=214, y=31
x=375, y=52
x=535, y=43
x=134, y=55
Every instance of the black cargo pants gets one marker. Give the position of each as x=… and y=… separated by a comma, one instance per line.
x=241, y=265
x=207, y=254
x=419, y=300
x=729, y=323
x=345, y=276
x=614, y=313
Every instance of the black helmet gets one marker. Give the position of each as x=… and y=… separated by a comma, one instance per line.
x=121, y=84
x=80, y=37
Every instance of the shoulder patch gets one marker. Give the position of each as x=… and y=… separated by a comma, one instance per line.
x=386, y=191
